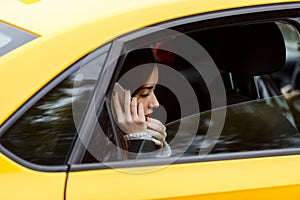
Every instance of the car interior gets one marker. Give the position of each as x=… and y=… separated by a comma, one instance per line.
x=258, y=115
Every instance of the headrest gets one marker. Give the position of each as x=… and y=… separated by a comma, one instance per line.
x=248, y=50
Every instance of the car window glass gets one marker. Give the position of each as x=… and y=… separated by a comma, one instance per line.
x=101, y=148
x=4, y=39
x=247, y=112
x=45, y=133
x=12, y=38
x=132, y=70
x=258, y=115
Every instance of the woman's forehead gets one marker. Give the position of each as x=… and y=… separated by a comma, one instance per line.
x=140, y=76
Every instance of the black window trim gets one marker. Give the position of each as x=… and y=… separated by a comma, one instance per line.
x=99, y=98
x=240, y=15
x=185, y=160
x=34, y=99
x=240, y=12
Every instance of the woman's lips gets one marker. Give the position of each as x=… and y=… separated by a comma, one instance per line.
x=147, y=116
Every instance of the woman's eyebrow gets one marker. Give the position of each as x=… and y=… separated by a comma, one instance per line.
x=147, y=87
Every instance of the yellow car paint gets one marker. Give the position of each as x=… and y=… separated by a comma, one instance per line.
x=47, y=16
x=67, y=31
x=232, y=179
x=29, y=1
x=18, y=182
x=80, y=27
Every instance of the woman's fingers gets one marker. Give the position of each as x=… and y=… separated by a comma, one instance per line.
x=127, y=103
x=137, y=112
x=157, y=142
x=141, y=112
x=156, y=125
x=134, y=111
x=128, y=118
x=117, y=106
x=157, y=135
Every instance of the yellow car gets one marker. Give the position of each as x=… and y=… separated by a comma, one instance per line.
x=225, y=96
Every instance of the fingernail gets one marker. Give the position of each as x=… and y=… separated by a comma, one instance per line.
x=114, y=93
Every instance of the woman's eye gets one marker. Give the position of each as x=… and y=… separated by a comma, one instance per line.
x=145, y=95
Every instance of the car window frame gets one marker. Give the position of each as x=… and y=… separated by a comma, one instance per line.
x=19, y=37
x=97, y=102
x=214, y=19
x=38, y=96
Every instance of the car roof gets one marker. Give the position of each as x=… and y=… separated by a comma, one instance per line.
x=47, y=16
x=67, y=30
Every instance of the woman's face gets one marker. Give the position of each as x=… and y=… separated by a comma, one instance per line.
x=146, y=95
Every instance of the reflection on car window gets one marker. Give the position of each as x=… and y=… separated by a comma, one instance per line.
x=258, y=115
x=101, y=148
x=4, y=40
x=288, y=78
x=192, y=102
x=249, y=126
x=12, y=37
x=45, y=133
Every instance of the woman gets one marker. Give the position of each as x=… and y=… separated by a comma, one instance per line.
x=141, y=132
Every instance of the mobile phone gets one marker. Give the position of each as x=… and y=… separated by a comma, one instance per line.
x=121, y=93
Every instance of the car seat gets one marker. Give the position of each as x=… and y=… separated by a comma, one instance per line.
x=249, y=53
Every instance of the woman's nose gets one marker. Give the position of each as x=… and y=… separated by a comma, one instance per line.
x=154, y=102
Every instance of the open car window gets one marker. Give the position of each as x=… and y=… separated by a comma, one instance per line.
x=219, y=91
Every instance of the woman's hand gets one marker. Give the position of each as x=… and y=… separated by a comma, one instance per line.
x=131, y=118
x=157, y=130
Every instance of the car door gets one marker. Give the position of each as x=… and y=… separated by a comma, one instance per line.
x=227, y=141
x=36, y=140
